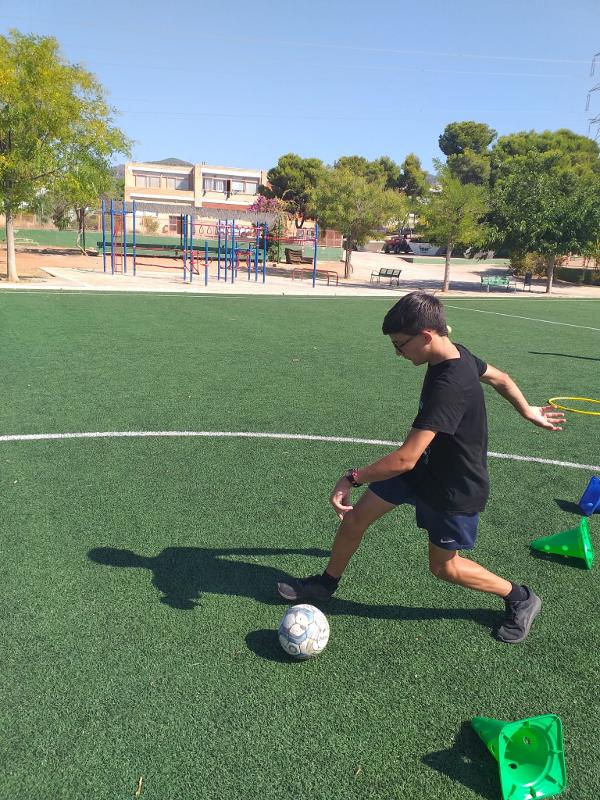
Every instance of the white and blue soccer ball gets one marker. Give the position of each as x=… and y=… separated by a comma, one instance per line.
x=303, y=631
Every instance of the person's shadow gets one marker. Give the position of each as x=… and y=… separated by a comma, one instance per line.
x=181, y=574
x=469, y=763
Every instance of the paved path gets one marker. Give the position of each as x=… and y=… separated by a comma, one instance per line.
x=77, y=273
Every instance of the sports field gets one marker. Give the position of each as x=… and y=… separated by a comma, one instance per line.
x=138, y=573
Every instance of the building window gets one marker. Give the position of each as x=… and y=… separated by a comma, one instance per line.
x=177, y=182
x=215, y=183
x=175, y=224
x=147, y=181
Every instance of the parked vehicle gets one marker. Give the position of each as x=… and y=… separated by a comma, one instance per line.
x=398, y=243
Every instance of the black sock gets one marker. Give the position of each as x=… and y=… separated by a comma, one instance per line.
x=516, y=593
x=329, y=582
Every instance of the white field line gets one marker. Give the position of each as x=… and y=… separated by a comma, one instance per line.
x=35, y=437
x=516, y=316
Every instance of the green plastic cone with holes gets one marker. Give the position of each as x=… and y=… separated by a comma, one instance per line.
x=530, y=755
x=574, y=542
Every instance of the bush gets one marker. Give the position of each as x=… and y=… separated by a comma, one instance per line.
x=520, y=263
x=150, y=224
x=588, y=276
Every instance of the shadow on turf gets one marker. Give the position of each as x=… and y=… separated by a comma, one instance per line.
x=265, y=644
x=555, y=558
x=568, y=505
x=468, y=763
x=181, y=574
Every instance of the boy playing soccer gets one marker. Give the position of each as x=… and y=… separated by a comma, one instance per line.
x=440, y=469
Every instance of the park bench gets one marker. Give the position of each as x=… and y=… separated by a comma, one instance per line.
x=300, y=272
x=293, y=256
x=497, y=281
x=386, y=272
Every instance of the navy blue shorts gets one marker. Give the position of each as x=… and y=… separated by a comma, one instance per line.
x=449, y=531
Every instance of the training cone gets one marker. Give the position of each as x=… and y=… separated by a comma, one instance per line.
x=530, y=755
x=590, y=499
x=574, y=542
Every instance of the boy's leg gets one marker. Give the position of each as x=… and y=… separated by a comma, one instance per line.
x=367, y=510
x=349, y=535
x=450, y=566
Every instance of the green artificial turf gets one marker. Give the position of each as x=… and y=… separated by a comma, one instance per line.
x=138, y=602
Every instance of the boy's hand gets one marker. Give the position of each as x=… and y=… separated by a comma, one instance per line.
x=546, y=417
x=340, y=497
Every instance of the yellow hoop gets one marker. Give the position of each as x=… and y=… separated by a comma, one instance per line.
x=553, y=403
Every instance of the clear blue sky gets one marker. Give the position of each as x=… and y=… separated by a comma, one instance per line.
x=241, y=83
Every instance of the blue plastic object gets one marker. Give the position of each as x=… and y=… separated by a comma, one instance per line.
x=590, y=500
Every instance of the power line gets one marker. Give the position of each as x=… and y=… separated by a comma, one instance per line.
x=593, y=120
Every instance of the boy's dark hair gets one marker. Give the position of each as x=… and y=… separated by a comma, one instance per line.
x=413, y=313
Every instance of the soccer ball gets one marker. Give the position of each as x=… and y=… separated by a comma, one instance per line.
x=303, y=631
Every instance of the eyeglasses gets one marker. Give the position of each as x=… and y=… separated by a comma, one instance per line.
x=399, y=346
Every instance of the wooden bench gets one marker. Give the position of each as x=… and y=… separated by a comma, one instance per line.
x=300, y=272
x=386, y=272
x=497, y=280
x=295, y=257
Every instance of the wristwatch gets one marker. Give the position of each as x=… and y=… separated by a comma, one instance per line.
x=351, y=475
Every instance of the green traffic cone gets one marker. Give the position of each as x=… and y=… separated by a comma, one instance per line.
x=530, y=755
x=574, y=542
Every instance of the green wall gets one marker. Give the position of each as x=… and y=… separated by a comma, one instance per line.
x=52, y=238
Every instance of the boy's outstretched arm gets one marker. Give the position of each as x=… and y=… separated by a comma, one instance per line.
x=546, y=417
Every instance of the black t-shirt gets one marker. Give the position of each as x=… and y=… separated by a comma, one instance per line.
x=451, y=475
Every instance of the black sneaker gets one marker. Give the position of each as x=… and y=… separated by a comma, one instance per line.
x=304, y=589
x=519, y=618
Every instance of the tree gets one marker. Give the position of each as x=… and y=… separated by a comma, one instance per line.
x=358, y=165
x=292, y=180
x=391, y=170
x=79, y=191
x=355, y=206
x=466, y=146
x=413, y=178
x=452, y=216
x=551, y=212
x=460, y=136
x=558, y=151
x=470, y=167
x=277, y=207
x=52, y=115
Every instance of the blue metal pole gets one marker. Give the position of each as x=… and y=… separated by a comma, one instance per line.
x=191, y=248
x=256, y=246
x=185, y=221
x=226, y=250
x=104, y=233
x=206, y=262
x=316, y=239
x=112, y=237
x=233, y=261
x=134, y=240
x=265, y=235
x=124, y=215
x=219, y=250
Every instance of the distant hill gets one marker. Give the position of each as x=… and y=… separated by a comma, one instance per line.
x=172, y=162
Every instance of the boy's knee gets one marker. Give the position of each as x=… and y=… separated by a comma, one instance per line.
x=445, y=570
x=352, y=524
